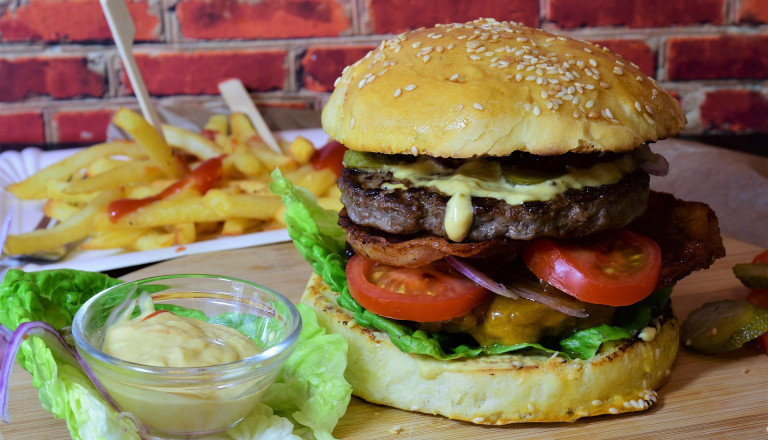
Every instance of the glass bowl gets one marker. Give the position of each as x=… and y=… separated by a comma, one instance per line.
x=191, y=401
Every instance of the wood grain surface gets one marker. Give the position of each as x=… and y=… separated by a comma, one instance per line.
x=723, y=397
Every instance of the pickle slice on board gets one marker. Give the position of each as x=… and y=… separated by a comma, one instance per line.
x=754, y=275
x=721, y=326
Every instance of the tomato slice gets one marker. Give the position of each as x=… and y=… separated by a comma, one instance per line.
x=435, y=292
x=759, y=297
x=616, y=269
x=329, y=156
x=762, y=257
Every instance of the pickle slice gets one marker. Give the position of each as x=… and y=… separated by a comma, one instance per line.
x=529, y=176
x=721, y=326
x=359, y=159
x=754, y=275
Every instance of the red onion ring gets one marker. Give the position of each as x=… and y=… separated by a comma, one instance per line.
x=652, y=163
x=480, y=278
x=557, y=301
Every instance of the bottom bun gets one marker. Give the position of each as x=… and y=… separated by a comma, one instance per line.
x=500, y=389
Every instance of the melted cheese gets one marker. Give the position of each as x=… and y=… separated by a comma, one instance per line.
x=483, y=178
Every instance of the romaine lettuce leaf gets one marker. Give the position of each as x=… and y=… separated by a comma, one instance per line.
x=309, y=396
x=63, y=389
x=321, y=241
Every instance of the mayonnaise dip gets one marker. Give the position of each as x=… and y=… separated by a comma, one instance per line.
x=164, y=339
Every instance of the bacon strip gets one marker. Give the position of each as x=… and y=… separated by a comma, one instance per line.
x=419, y=250
x=687, y=233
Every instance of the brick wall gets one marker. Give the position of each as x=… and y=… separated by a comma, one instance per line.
x=61, y=78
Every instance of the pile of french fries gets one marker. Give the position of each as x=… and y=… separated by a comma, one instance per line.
x=79, y=189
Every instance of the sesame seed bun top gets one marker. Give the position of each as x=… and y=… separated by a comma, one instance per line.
x=488, y=88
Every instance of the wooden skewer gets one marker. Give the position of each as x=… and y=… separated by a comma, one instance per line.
x=123, y=32
x=237, y=99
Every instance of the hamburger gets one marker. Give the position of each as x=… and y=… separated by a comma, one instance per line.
x=503, y=259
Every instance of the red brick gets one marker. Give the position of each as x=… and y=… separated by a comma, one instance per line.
x=635, y=13
x=198, y=73
x=718, y=57
x=636, y=51
x=56, y=76
x=82, y=126
x=322, y=65
x=71, y=20
x=395, y=16
x=753, y=11
x=226, y=19
x=735, y=110
x=22, y=128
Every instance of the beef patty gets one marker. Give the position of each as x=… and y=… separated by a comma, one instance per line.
x=414, y=210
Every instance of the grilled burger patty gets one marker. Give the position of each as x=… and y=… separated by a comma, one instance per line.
x=416, y=209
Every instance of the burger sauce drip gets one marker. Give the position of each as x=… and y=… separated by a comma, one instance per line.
x=201, y=179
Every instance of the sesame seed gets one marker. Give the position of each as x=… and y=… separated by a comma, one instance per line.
x=352, y=123
x=530, y=407
x=576, y=114
x=450, y=46
x=587, y=50
x=336, y=83
x=426, y=58
x=597, y=402
x=618, y=71
x=627, y=405
x=519, y=77
x=593, y=62
x=620, y=63
x=544, y=94
x=410, y=87
x=638, y=107
x=477, y=106
x=589, y=87
x=536, y=110
x=649, y=109
x=608, y=113
x=605, y=85
x=474, y=57
x=398, y=92
x=414, y=151
x=361, y=83
x=459, y=107
x=416, y=44
x=613, y=410
x=454, y=77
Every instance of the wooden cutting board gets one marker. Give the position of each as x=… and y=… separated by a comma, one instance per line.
x=707, y=397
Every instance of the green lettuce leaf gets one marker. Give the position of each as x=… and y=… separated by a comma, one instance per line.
x=309, y=396
x=63, y=389
x=311, y=390
x=320, y=241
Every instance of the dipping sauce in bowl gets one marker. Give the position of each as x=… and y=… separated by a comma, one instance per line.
x=195, y=356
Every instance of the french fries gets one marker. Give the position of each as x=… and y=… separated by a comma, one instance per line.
x=81, y=188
